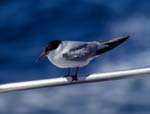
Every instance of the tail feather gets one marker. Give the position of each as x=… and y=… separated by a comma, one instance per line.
x=110, y=44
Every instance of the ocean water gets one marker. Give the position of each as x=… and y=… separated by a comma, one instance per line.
x=27, y=25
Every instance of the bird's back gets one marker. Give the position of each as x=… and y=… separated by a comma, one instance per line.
x=71, y=54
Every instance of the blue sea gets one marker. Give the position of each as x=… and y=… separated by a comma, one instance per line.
x=27, y=25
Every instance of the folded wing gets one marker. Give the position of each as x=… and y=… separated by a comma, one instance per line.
x=89, y=50
x=81, y=52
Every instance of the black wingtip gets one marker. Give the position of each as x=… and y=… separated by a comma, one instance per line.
x=112, y=44
x=118, y=40
x=124, y=37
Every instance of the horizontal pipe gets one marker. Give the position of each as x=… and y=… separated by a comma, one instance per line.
x=81, y=79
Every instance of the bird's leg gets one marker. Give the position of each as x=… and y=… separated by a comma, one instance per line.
x=75, y=77
x=68, y=73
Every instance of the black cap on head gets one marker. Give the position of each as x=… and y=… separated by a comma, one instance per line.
x=52, y=45
x=49, y=47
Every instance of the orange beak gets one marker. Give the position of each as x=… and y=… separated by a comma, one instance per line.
x=42, y=56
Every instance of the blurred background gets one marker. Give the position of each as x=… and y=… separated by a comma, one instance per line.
x=27, y=25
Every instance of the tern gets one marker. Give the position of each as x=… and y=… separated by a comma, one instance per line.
x=76, y=54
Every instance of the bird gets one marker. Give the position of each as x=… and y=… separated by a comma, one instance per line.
x=77, y=54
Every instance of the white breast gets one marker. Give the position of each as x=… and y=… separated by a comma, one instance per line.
x=56, y=57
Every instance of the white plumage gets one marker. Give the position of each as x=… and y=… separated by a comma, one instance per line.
x=77, y=54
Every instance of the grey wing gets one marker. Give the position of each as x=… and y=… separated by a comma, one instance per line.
x=81, y=52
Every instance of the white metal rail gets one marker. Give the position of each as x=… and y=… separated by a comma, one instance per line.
x=81, y=79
